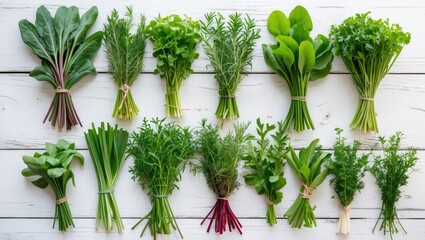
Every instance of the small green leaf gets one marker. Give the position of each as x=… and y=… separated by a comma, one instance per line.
x=278, y=23
x=300, y=15
x=285, y=53
x=79, y=72
x=26, y=172
x=51, y=149
x=299, y=33
x=54, y=162
x=63, y=144
x=37, y=161
x=273, y=179
x=41, y=183
x=56, y=172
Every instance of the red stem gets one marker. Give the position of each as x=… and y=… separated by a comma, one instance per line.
x=222, y=215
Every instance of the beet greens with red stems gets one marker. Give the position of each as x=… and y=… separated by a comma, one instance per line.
x=219, y=164
x=66, y=55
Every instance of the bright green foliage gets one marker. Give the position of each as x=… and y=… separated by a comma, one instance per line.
x=220, y=157
x=368, y=49
x=161, y=151
x=66, y=55
x=391, y=172
x=308, y=166
x=53, y=168
x=265, y=161
x=347, y=169
x=175, y=41
x=125, y=52
x=298, y=59
x=107, y=147
x=229, y=46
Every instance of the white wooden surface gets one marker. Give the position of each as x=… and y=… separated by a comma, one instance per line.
x=26, y=212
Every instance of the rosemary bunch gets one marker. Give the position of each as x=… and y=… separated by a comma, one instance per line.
x=229, y=46
x=125, y=52
x=161, y=151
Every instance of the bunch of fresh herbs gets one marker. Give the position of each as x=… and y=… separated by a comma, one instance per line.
x=66, y=55
x=125, y=52
x=175, y=41
x=219, y=164
x=308, y=166
x=265, y=161
x=391, y=172
x=160, y=151
x=52, y=167
x=298, y=59
x=347, y=169
x=368, y=49
x=229, y=46
x=107, y=147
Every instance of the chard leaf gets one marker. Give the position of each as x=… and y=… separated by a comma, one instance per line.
x=85, y=23
x=43, y=73
x=31, y=38
x=87, y=50
x=60, y=22
x=41, y=183
x=278, y=23
x=306, y=58
x=300, y=15
x=79, y=72
x=44, y=25
x=73, y=21
x=56, y=172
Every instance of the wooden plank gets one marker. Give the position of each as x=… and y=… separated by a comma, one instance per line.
x=253, y=229
x=16, y=57
x=332, y=103
x=19, y=198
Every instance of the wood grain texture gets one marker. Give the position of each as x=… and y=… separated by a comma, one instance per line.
x=26, y=212
x=253, y=229
x=16, y=57
x=332, y=103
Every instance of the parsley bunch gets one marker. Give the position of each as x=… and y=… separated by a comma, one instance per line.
x=368, y=49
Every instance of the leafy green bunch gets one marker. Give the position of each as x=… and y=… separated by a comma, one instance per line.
x=229, y=46
x=160, y=151
x=125, y=52
x=348, y=170
x=52, y=167
x=265, y=161
x=175, y=41
x=308, y=166
x=107, y=147
x=391, y=172
x=219, y=164
x=298, y=59
x=368, y=49
x=66, y=55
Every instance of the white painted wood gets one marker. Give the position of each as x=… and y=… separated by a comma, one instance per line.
x=332, y=103
x=20, y=198
x=17, y=57
x=26, y=212
x=253, y=229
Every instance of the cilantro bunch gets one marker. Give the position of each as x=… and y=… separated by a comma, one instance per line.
x=368, y=48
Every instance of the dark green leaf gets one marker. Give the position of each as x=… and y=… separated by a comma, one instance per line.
x=87, y=50
x=43, y=73
x=299, y=33
x=79, y=72
x=26, y=172
x=44, y=25
x=41, y=183
x=86, y=22
x=31, y=37
x=56, y=172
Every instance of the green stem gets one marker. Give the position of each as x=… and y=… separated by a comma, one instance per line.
x=125, y=109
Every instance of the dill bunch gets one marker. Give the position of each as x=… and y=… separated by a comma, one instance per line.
x=391, y=172
x=229, y=47
x=125, y=52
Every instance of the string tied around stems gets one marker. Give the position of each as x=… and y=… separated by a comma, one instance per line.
x=61, y=90
x=223, y=198
x=106, y=191
x=346, y=209
x=159, y=196
x=228, y=96
x=125, y=89
x=61, y=200
x=367, y=99
x=269, y=202
x=298, y=98
x=308, y=191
